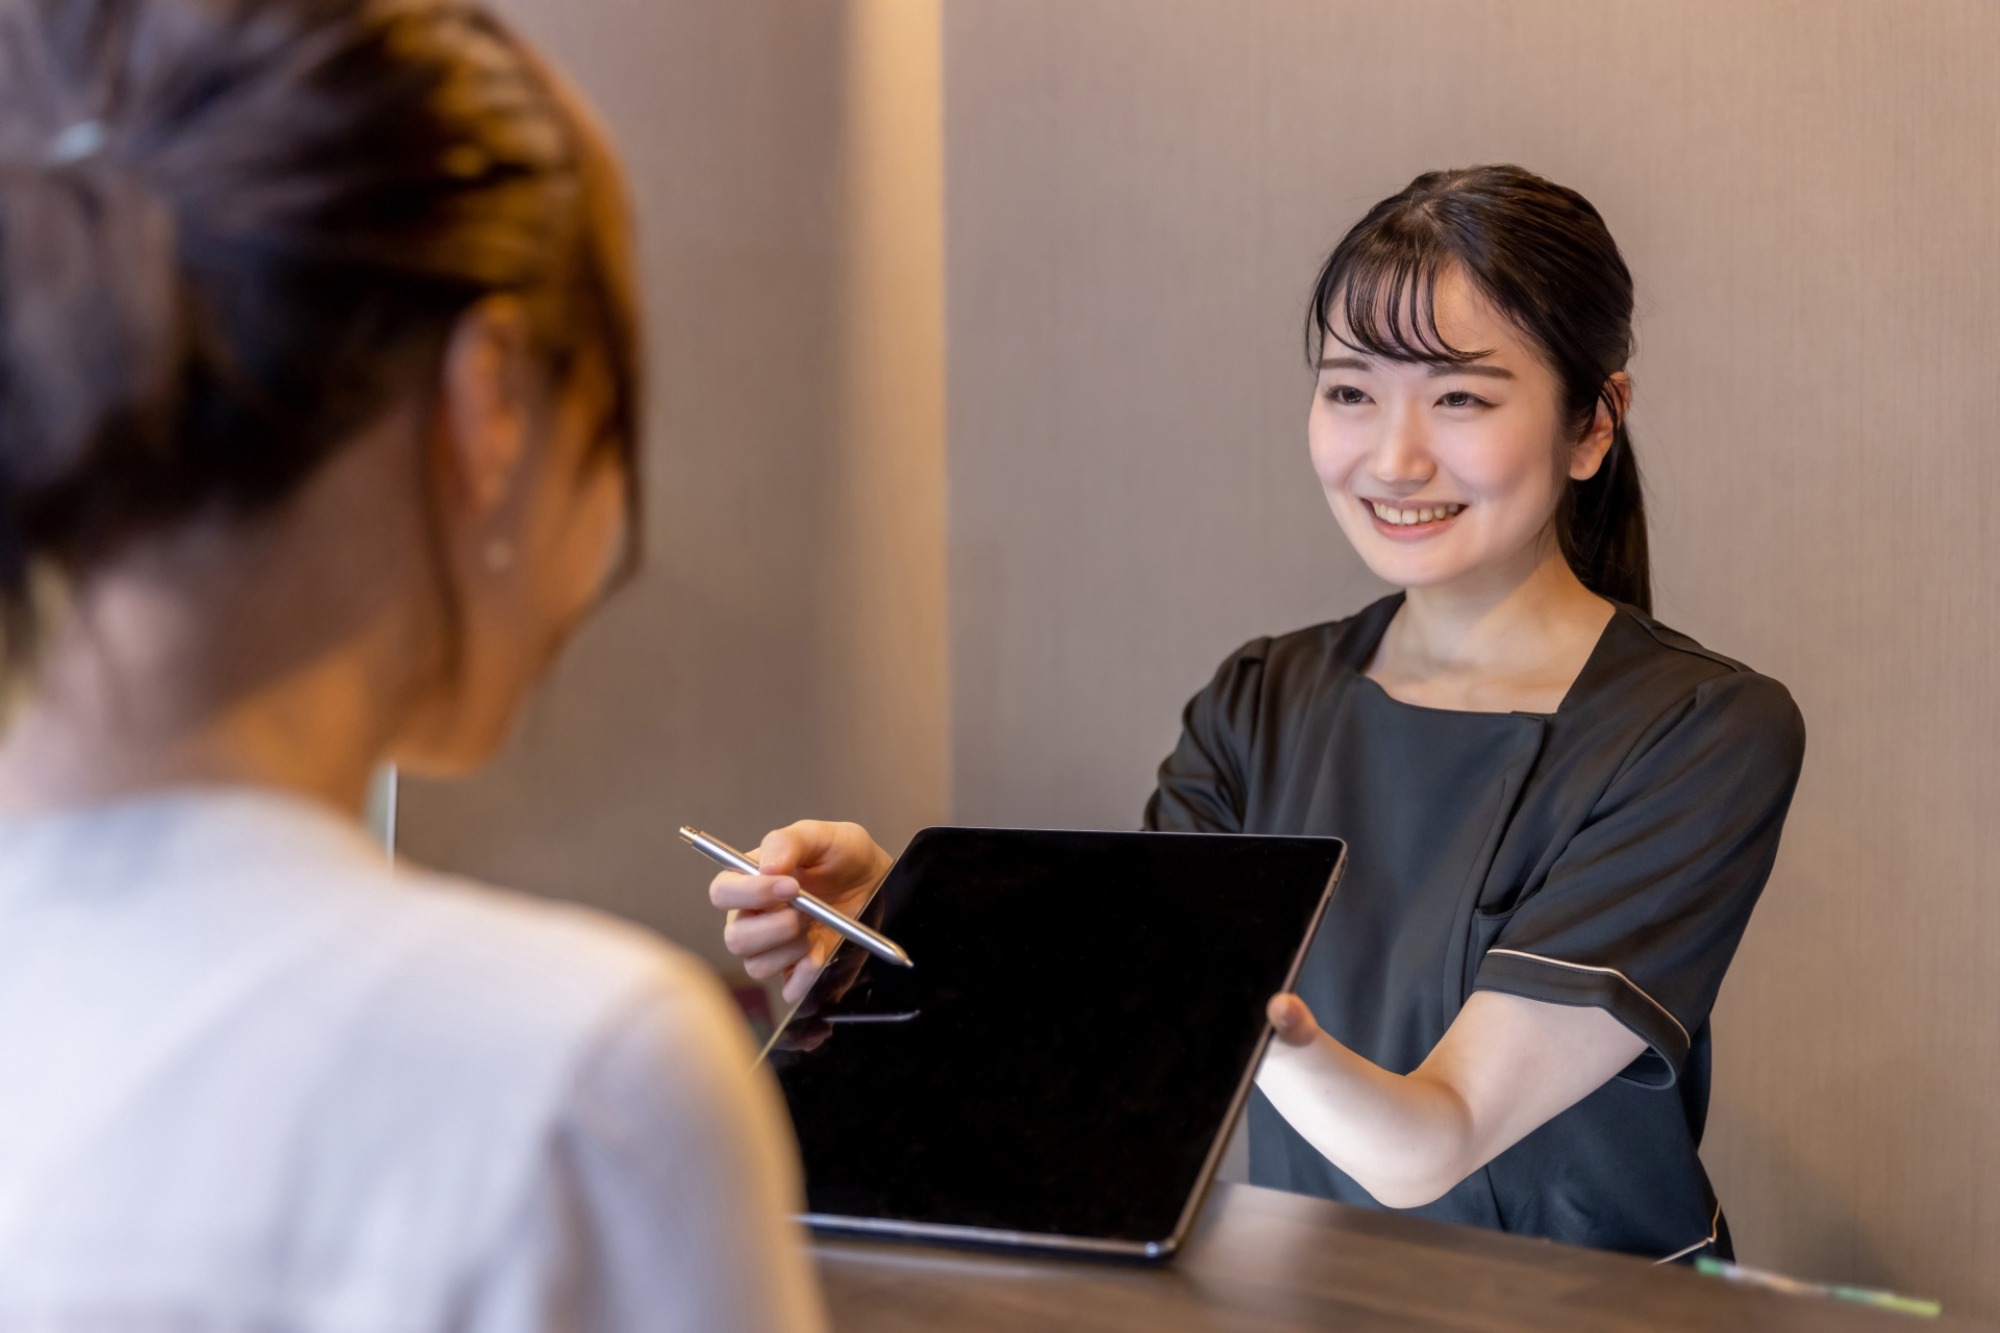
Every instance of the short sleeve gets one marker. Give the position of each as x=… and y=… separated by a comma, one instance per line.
x=1202, y=785
x=1641, y=913
x=667, y=1194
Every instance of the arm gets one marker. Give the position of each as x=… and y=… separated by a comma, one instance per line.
x=1505, y=1067
x=1202, y=787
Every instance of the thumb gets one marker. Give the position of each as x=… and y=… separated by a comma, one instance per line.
x=804, y=845
x=778, y=854
x=1291, y=1019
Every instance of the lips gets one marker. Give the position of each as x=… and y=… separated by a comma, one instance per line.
x=1402, y=521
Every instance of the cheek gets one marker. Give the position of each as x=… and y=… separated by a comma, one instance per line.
x=1336, y=447
x=587, y=539
x=600, y=528
x=1501, y=463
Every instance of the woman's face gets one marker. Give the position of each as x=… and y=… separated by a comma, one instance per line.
x=572, y=520
x=1442, y=473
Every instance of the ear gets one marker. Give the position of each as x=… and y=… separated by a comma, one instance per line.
x=484, y=403
x=1588, y=455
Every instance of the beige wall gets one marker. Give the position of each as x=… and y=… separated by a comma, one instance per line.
x=783, y=651
x=1138, y=192
x=1134, y=196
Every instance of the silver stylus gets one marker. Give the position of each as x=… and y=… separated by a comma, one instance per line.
x=720, y=852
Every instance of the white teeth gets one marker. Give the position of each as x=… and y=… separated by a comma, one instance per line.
x=1411, y=517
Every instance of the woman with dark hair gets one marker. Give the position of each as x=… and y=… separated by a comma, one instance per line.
x=318, y=408
x=1559, y=811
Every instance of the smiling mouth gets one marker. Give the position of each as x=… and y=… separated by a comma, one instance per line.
x=1412, y=516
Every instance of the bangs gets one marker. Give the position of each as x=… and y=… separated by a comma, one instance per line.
x=1377, y=295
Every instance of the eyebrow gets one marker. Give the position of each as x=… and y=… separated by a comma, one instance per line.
x=1437, y=368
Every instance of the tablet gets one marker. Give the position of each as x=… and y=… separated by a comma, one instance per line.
x=1062, y=1066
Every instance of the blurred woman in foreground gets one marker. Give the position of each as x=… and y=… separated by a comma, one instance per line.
x=317, y=413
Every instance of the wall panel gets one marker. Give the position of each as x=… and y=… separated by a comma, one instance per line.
x=782, y=651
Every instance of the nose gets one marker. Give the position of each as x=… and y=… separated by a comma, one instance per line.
x=1401, y=457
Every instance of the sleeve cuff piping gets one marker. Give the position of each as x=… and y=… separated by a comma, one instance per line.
x=1536, y=977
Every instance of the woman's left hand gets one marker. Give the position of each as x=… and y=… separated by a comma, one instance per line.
x=1291, y=1021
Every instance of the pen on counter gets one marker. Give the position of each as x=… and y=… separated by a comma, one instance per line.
x=832, y=918
x=1756, y=1277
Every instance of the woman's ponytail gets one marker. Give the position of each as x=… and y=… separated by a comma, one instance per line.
x=1601, y=525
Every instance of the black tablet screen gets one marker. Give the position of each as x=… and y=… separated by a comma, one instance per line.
x=1066, y=1051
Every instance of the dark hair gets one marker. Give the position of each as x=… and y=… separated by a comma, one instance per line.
x=232, y=232
x=1543, y=256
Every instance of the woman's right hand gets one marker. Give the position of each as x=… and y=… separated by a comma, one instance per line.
x=836, y=863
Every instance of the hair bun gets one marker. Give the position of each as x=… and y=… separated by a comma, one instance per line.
x=94, y=338
x=201, y=302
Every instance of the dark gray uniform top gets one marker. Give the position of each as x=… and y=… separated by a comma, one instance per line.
x=1606, y=854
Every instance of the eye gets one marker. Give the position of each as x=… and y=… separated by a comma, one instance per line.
x=1462, y=398
x=1346, y=395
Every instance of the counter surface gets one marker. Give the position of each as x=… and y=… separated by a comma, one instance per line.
x=1266, y=1262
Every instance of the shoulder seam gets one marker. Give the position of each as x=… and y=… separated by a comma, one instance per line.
x=1675, y=641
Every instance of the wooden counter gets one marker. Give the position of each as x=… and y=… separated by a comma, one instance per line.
x=1266, y=1262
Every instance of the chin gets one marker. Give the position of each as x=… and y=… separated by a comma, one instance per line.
x=1399, y=569
x=454, y=748
x=1398, y=565
x=436, y=766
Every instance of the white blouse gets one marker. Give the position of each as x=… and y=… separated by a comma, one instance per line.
x=251, y=1079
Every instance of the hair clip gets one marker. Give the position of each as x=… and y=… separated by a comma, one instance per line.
x=79, y=141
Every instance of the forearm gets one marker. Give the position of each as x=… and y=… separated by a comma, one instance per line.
x=1505, y=1066
x=1406, y=1139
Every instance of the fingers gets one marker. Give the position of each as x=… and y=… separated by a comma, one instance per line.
x=803, y=974
x=749, y=934
x=751, y=893
x=838, y=862
x=1291, y=1020
x=763, y=966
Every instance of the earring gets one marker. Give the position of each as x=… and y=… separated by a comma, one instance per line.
x=498, y=555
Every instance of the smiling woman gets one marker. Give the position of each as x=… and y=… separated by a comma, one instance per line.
x=1560, y=813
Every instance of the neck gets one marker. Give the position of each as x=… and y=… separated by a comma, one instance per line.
x=1498, y=619
x=279, y=655
x=103, y=729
